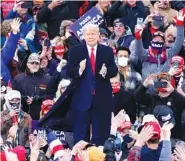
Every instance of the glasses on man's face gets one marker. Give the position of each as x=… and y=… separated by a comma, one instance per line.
x=118, y=25
x=36, y=63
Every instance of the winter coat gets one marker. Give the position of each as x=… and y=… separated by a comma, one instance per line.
x=176, y=100
x=24, y=126
x=125, y=100
x=32, y=85
x=53, y=18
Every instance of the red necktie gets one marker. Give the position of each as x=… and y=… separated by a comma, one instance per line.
x=92, y=60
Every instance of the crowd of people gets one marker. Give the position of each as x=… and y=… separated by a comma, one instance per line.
x=116, y=95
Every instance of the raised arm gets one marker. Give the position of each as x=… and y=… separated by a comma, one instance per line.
x=9, y=50
x=180, y=36
x=45, y=12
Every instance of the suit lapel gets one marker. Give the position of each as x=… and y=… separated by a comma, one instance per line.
x=98, y=58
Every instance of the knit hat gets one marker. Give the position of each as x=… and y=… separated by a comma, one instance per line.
x=20, y=151
x=163, y=114
x=95, y=154
x=157, y=130
x=12, y=94
x=55, y=145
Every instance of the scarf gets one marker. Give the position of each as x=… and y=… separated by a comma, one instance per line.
x=152, y=56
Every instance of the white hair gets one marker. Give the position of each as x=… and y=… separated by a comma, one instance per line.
x=90, y=26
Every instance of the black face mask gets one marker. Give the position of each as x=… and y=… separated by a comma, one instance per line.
x=157, y=45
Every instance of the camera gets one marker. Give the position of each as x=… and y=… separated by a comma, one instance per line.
x=117, y=145
x=26, y=5
x=160, y=84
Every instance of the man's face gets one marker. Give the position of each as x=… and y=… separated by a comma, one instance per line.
x=170, y=35
x=114, y=81
x=44, y=63
x=104, y=3
x=33, y=67
x=119, y=29
x=122, y=53
x=22, y=11
x=103, y=39
x=15, y=104
x=91, y=37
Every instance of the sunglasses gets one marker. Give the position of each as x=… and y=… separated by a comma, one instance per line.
x=36, y=63
x=118, y=25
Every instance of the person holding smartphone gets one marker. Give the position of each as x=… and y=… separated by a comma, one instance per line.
x=13, y=115
x=165, y=96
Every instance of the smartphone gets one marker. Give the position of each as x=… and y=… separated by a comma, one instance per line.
x=139, y=23
x=47, y=43
x=160, y=84
x=26, y=5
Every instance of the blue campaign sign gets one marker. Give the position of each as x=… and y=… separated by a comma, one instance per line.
x=41, y=132
x=93, y=16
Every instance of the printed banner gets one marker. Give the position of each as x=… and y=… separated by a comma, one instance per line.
x=93, y=16
x=42, y=132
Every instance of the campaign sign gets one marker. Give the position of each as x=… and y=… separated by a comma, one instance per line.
x=93, y=16
x=41, y=132
x=7, y=6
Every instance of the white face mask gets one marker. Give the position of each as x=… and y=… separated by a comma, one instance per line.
x=122, y=61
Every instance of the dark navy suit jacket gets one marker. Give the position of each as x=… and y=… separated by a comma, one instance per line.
x=82, y=98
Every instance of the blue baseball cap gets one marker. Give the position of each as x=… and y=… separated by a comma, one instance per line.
x=164, y=113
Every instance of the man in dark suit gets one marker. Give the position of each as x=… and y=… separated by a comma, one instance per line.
x=92, y=103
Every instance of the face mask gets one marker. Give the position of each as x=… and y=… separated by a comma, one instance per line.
x=116, y=88
x=127, y=139
x=157, y=45
x=162, y=90
x=59, y=50
x=123, y=62
x=14, y=106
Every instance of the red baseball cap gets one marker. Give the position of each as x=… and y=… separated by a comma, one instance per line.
x=157, y=129
x=20, y=151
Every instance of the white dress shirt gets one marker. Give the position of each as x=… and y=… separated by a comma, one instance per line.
x=89, y=50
